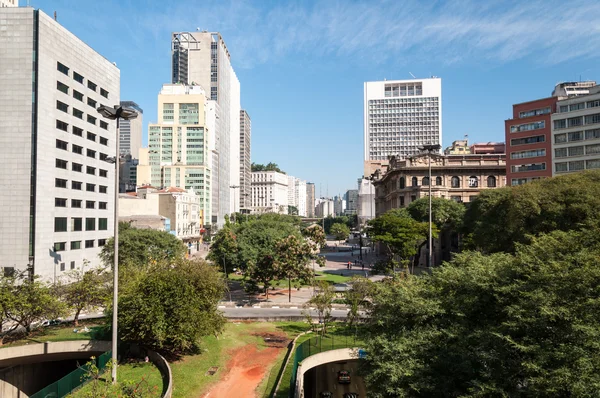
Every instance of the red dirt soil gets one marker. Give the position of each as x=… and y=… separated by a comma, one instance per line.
x=247, y=367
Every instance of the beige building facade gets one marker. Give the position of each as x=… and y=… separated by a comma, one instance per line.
x=455, y=177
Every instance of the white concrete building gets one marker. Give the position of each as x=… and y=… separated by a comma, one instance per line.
x=576, y=133
x=310, y=199
x=57, y=202
x=178, y=145
x=202, y=58
x=130, y=132
x=297, y=195
x=573, y=89
x=325, y=208
x=181, y=207
x=269, y=192
x=366, y=201
x=400, y=116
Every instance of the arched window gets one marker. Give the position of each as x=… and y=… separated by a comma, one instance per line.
x=473, y=182
x=491, y=182
x=402, y=183
x=455, y=182
x=438, y=180
x=415, y=182
x=425, y=181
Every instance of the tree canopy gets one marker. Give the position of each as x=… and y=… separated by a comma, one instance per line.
x=268, y=167
x=140, y=247
x=444, y=213
x=172, y=305
x=492, y=325
x=340, y=231
x=498, y=219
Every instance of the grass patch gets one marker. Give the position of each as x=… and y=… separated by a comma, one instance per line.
x=145, y=377
x=189, y=373
x=332, y=278
x=57, y=333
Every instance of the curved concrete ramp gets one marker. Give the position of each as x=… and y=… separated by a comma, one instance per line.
x=312, y=361
x=20, y=366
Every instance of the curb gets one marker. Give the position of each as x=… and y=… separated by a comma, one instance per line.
x=286, y=360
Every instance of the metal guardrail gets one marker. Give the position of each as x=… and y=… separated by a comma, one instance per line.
x=73, y=380
x=319, y=344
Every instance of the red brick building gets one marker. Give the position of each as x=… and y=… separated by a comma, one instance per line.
x=528, y=141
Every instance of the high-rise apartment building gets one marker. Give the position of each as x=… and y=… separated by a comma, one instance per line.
x=245, y=161
x=58, y=198
x=351, y=197
x=9, y=3
x=576, y=133
x=130, y=131
x=297, y=195
x=178, y=145
x=400, y=116
x=202, y=58
x=528, y=146
x=310, y=199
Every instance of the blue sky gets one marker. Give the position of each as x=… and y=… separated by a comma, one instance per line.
x=302, y=64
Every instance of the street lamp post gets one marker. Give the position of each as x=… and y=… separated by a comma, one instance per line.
x=115, y=113
x=430, y=148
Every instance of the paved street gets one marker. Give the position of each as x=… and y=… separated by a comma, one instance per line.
x=324, y=378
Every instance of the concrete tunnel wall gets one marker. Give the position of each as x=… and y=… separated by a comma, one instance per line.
x=312, y=361
x=22, y=365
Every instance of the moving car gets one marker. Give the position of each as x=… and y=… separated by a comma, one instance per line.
x=344, y=377
x=350, y=395
x=326, y=394
x=51, y=322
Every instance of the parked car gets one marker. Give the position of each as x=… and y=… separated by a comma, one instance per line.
x=344, y=377
x=50, y=322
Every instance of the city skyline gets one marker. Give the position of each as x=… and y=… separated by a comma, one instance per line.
x=485, y=55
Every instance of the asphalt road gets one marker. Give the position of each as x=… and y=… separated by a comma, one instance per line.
x=324, y=378
x=246, y=312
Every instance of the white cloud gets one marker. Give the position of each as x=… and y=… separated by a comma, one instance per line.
x=379, y=31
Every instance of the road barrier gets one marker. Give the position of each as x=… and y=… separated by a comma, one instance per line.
x=73, y=380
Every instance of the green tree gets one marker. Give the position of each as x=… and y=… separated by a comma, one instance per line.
x=330, y=221
x=357, y=298
x=260, y=275
x=400, y=233
x=340, y=231
x=268, y=167
x=322, y=301
x=294, y=254
x=140, y=247
x=292, y=210
x=32, y=301
x=7, y=284
x=172, y=306
x=85, y=290
x=497, y=325
x=224, y=250
x=498, y=219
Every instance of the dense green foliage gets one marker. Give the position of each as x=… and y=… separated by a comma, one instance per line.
x=500, y=325
x=350, y=221
x=500, y=218
x=400, y=233
x=444, y=213
x=140, y=247
x=172, y=305
x=85, y=290
x=340, y=231
x=268, y=167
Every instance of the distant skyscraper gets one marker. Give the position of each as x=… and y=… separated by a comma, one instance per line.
x=202, y=58
x=310, y=199
x=57, y=197
x=178, y=145
x=245, y=161
x=130, y=131
x=351, y=201
x=400, y=116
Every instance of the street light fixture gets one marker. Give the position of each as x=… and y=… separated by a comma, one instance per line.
x=116, y=113
x=430, y=148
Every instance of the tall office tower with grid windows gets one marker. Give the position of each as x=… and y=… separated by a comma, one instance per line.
x=400, y=116
x=202, y=58
x=57, y=199
x=245, y=162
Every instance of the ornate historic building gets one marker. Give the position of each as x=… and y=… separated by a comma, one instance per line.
x=455, y=177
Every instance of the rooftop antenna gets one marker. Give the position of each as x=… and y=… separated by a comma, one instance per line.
x=410, y=73
x=54, y=11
